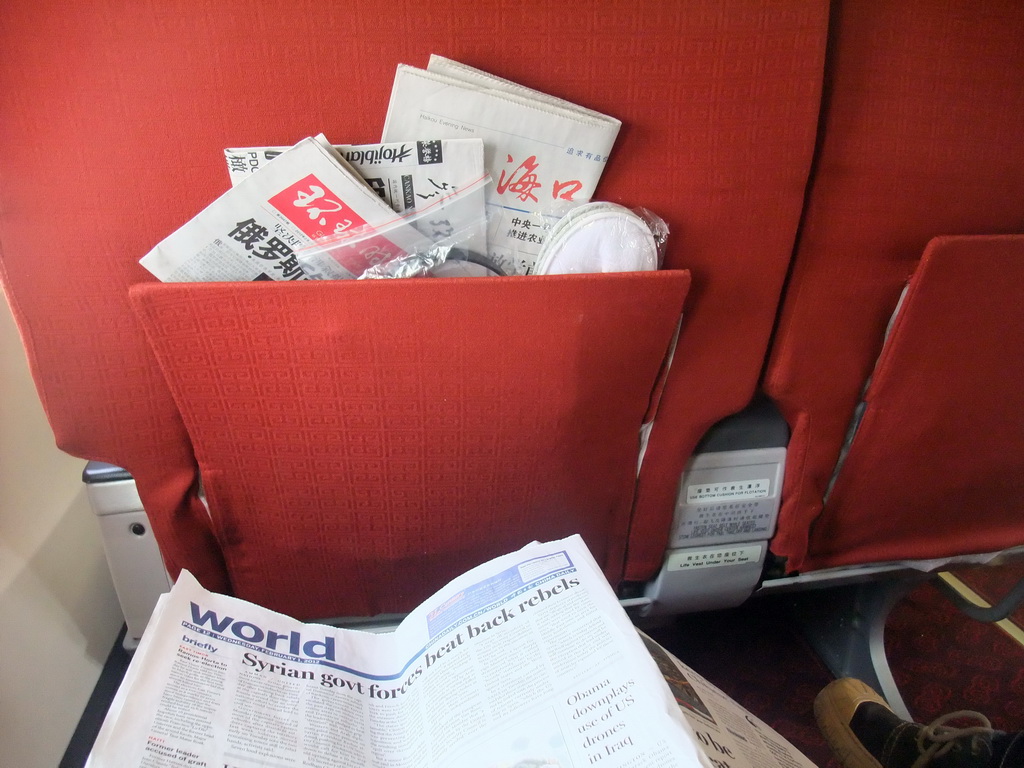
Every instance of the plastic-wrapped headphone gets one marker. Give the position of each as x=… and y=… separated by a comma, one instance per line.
x=598, y=237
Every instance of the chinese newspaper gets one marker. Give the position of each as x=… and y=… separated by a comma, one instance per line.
x=254, y=230
x=528, y=660
x=408, y=176
x=544, y=155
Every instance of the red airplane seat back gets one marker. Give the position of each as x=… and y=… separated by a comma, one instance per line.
x=115, y=123
x=919, y=139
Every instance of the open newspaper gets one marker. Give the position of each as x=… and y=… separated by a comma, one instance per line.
x=544, y=155
x=258, y=229
x=525, y=661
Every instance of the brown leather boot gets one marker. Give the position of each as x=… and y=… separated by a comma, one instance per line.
x=864, y=733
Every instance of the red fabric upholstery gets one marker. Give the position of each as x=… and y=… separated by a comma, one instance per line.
x=936, y=464
x=378, y=438
x=734, y=95
x=920, y=137
x=115, y=117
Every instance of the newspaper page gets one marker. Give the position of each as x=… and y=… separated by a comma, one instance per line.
x=544, y=155
x=729, y=735
x=252, y=232
x=526, y=661
x=408, y=176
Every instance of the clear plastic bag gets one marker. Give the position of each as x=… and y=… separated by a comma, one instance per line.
x=603, y=237
x=412, y=245
x=450, y=239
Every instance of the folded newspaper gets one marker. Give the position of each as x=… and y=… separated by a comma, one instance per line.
x=727, y=734
x=409, y=177
x=544, y=155
x=309, y=195
x=526, y=661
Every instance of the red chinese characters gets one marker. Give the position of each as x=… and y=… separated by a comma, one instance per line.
x=524, y=181
x=318, y=212
x=314, y=209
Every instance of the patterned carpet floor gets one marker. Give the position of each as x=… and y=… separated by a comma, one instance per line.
x=940, y=659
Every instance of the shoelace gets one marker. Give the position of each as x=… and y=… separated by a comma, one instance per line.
x=941, y=738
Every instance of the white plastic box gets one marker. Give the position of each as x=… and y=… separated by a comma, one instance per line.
x=136, y=567
x=725, y=515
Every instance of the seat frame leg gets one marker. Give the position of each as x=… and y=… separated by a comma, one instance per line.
x=846, y=627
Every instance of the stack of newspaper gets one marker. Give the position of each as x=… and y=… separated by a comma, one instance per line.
x=434, y=185
x=526, y=661
x=266, y=226
x=471, y=168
